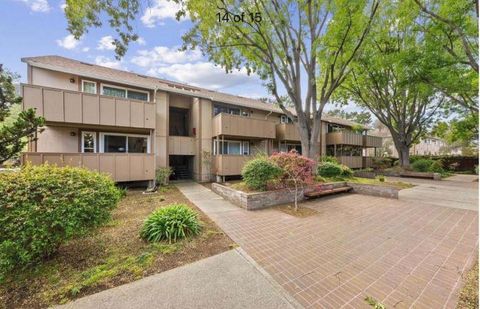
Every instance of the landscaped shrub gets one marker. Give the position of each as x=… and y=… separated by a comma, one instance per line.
x=422, y=165
x=162, y=175
x=346, y=171
x=328, y=170
x=294, y=165
x=43, y=206
x=257, y=173
x=436, y=167
x=170, y=223
x=330, y=159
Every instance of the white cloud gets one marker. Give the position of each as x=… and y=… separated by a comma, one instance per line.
x=159, y=11
x=141, y=41
x=203, y=74
x=68, y=42
x=37, y=5
x=109, y=63
x=85, y=49
x=162, y=55
x=63, y=5
x=106, y=43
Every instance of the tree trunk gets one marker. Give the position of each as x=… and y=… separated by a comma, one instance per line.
x=403, y=154
x=310, y=143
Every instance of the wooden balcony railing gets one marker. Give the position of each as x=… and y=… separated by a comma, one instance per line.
x=344, y=138
x=228, y=165
x=287, y=132
x=352, y=162
x=58, y=105
x=238, y=126
x=120, y=166
x=181, y=145
x=372, y=141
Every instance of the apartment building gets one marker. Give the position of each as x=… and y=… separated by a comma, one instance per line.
x=128, y=124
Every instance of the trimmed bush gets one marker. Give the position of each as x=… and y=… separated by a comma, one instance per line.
x=436, y=167
x=171, y=223
x=43, y=206
x=162, y=175
x=257, y=173
x=295, y=166
x=422, y=165
x=346, y=171
x=330, y=159
x=328, y=170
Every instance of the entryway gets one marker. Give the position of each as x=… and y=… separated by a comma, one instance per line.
x=182, y=167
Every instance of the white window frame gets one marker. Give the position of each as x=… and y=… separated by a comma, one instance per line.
x=94, y=141
x=243, y=145
x=89, y=81
x=126, y=91
x=102, y=140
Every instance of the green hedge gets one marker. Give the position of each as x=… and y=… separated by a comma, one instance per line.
x=422, y=165
x=257, y=173
x=43, y=206
x=328, y=169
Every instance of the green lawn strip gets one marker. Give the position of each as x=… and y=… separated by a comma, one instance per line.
x=370, y=181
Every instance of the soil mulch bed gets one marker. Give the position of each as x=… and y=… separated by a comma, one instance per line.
x=301, y=212
x=469, y=294
x=111, y=255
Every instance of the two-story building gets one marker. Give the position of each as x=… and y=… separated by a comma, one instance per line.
x=128, y=124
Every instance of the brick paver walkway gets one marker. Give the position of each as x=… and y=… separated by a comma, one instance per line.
x=401, y=254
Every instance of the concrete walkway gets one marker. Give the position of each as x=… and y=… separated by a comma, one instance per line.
x=228, y=280
x=458, y=191
x=403, y=253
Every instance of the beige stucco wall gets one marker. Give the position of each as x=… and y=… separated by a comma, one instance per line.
x=205, y=134
x=161, y=132
x=58, y=139
x=47, y=78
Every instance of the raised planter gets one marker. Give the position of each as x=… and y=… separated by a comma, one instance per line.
x=374, y=190
x=428, y=175
x=365, y=174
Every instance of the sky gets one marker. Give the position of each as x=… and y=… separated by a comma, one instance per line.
x=38, y=27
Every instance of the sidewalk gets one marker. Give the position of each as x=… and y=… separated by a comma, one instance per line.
x=226, y=280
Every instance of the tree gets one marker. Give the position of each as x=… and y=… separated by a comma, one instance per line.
x=384, y=79
x=362, y=117
x=15, y=134
x=283, y=42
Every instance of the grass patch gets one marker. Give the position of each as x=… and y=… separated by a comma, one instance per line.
x=112, y=255
x=368, y=181
x=241, y=186
x=469, y=294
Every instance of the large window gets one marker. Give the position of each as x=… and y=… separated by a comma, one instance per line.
x=124, y=143
x=125, y=93
x=231, y=147
x=89, y=141
x=284, y=147
x=217, y=109
x=344, y=150
x=285, y=119
x=89, y=86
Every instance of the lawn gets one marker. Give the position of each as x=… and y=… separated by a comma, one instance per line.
x=111, y=255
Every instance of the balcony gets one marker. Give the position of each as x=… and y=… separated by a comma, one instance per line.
x=352, y=162
x=238, y=126
x=66, y=106
x=344, y=138
x=287, y=132
x=229, y=165
x=120, y=166
x=370, y=141
x=181, y=145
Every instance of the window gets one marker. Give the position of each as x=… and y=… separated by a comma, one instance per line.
x=231, y=147
x=284, y=147
x=217, y=109
x=125, y=93
x=89, y=141
x=285, y=119
x=124, y=143
x=89, y=87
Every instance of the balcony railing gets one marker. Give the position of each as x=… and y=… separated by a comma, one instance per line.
x=238, y=126
x=58, y=105
x=181, y=145
x=372, y=141
x=228, y=165
x=344, y=138
x=352, y=162
x=287, y=132
x=120, y=166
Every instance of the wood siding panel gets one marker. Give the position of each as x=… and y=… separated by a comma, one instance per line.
x=137, y=171
x=344, y=138
x=122, y=168
x=53, y=109
x=149, y=166
x=73, y=107
x=107, y=111
x=287, y=132
x=122, y=113
x=137, y=117
x=234, y=125
x=181, y=145
x=53, y=159
x=229, y=165
x=149, y=116
x=33, y=98
x=352, y=162
x=74, y=160
x=106, y=164
x=91, y=161
x=370, y=141
x=91, y=109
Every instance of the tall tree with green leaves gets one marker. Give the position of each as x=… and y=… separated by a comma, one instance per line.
x=300, y=48
x=15, y=134
x=384, y=78
x=362, y=117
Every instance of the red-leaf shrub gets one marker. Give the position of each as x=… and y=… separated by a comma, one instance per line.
x=295, y=166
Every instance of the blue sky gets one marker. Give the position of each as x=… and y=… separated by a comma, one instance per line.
x=38, y=27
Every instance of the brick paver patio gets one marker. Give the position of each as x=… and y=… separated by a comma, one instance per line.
x=401, y=254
